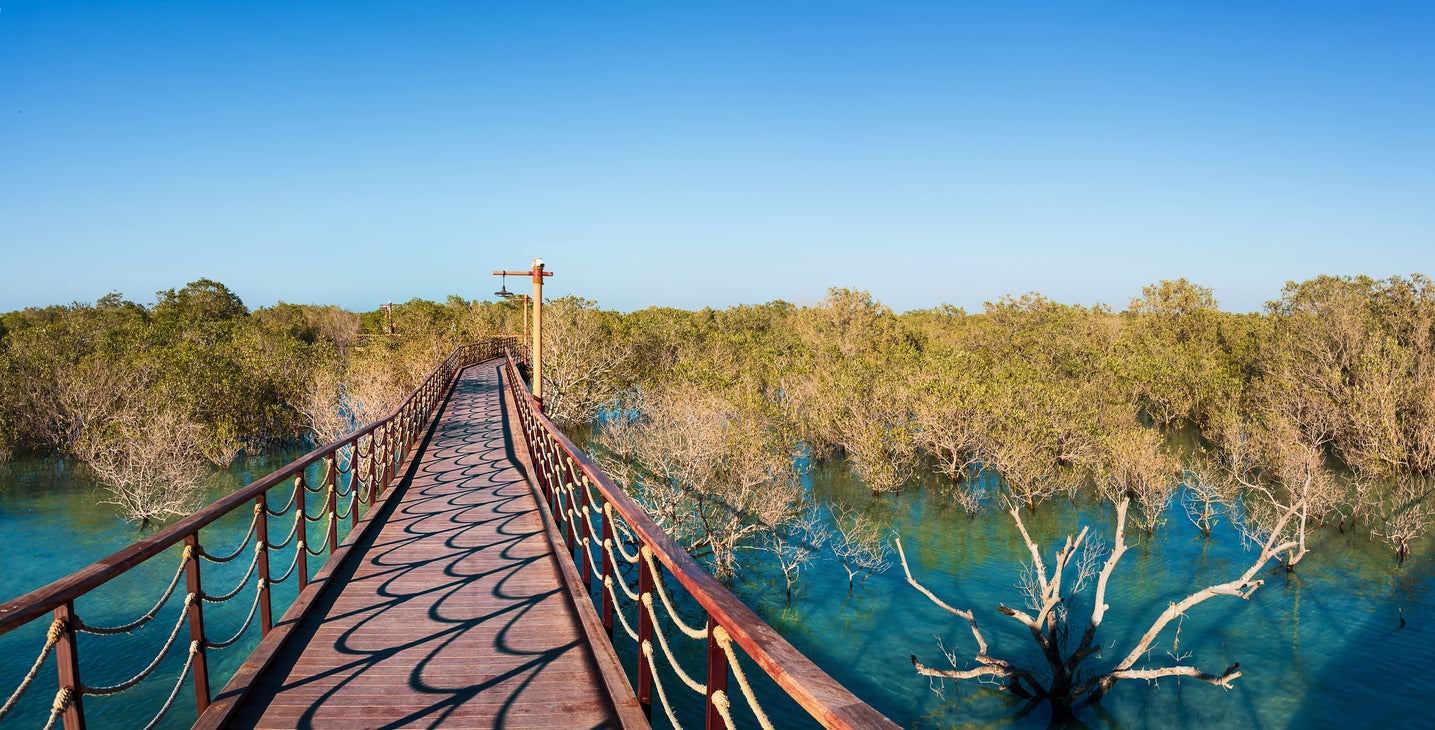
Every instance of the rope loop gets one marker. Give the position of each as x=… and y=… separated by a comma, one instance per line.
x=721, y=636
x=663, y=594
x=62, y=700
x=215, y=598
x=115, y=689
x=253, y=523
x=52, y=637
x=618, y=609
x=647, y=648
x=149, y=615
x=723, y=705
x=692, y=684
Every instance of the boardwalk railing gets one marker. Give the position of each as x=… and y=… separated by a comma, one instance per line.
x=604, y=528
x=354, y=471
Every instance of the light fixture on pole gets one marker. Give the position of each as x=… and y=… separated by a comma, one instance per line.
x=536, y=349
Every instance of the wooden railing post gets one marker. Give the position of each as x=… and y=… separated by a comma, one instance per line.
x=610, y=573
x=571, y=514
x=373, y=459
x=541, y=468
x=301, y=495
x=355, y=488
x=67, y=660
x=581, y=481
x=261, y=531
x=717, y=677
x=387, y=452
x=331, y=500
x=196, y=623
x=645, y=631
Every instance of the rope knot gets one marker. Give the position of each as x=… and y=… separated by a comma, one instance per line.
x=194, y=647
x=258, y=508
x=188, y=554
x=62, y=700
x=57, y=629
x=720, y=635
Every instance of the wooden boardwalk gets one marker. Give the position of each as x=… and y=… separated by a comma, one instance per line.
x=453, y=611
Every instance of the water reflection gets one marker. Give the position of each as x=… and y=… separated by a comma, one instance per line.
x=1318, y=648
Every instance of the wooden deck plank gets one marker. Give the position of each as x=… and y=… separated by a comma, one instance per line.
x=454, y=615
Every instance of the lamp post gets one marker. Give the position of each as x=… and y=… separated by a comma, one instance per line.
x=537, y=273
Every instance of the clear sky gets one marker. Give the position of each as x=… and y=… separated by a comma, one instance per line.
x=697, y=154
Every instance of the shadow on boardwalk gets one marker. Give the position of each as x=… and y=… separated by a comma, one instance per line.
x=453, y=613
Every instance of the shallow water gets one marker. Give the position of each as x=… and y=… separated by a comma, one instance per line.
x=53, y=521
x=1321, y=647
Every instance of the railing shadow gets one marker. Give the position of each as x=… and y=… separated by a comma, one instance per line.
x=461, y=569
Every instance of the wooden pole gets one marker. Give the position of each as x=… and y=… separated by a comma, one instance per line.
x=67, y=659
x=538, y=331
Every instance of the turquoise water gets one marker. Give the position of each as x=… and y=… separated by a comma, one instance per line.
x=53, y=521
x=1321, y=647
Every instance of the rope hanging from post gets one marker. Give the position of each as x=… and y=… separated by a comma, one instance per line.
x=258, y=593
x=61, y=703
x=692, y=684
x=293, y=530
x=632, y=594
x=692, y=633
x=292, y=565
x=149, y=615
x=618, y=609
x=242, y=581
x=115, y=689
x=57, y=629
x=647, y=648
x=282, y=510
x=323, y=546
x=183, y=673
x=724, y=708
x=619, y=527
x=725, y=641
x=242, y=543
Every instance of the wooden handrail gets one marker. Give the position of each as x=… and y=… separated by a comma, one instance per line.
x=816, y=691
x=389, y=439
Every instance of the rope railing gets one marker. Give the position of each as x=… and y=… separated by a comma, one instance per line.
x=353, y=471
x=592, y=513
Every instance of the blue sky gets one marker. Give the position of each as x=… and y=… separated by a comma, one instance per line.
x=707, y=154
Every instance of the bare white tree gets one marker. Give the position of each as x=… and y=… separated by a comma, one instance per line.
x=794, y=543
x=1406, y=514
x=711, y=472
x=858, y=545
x=1066, y=682
x=149, y=460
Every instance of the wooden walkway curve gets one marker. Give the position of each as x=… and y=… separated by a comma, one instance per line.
x=453, y=611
